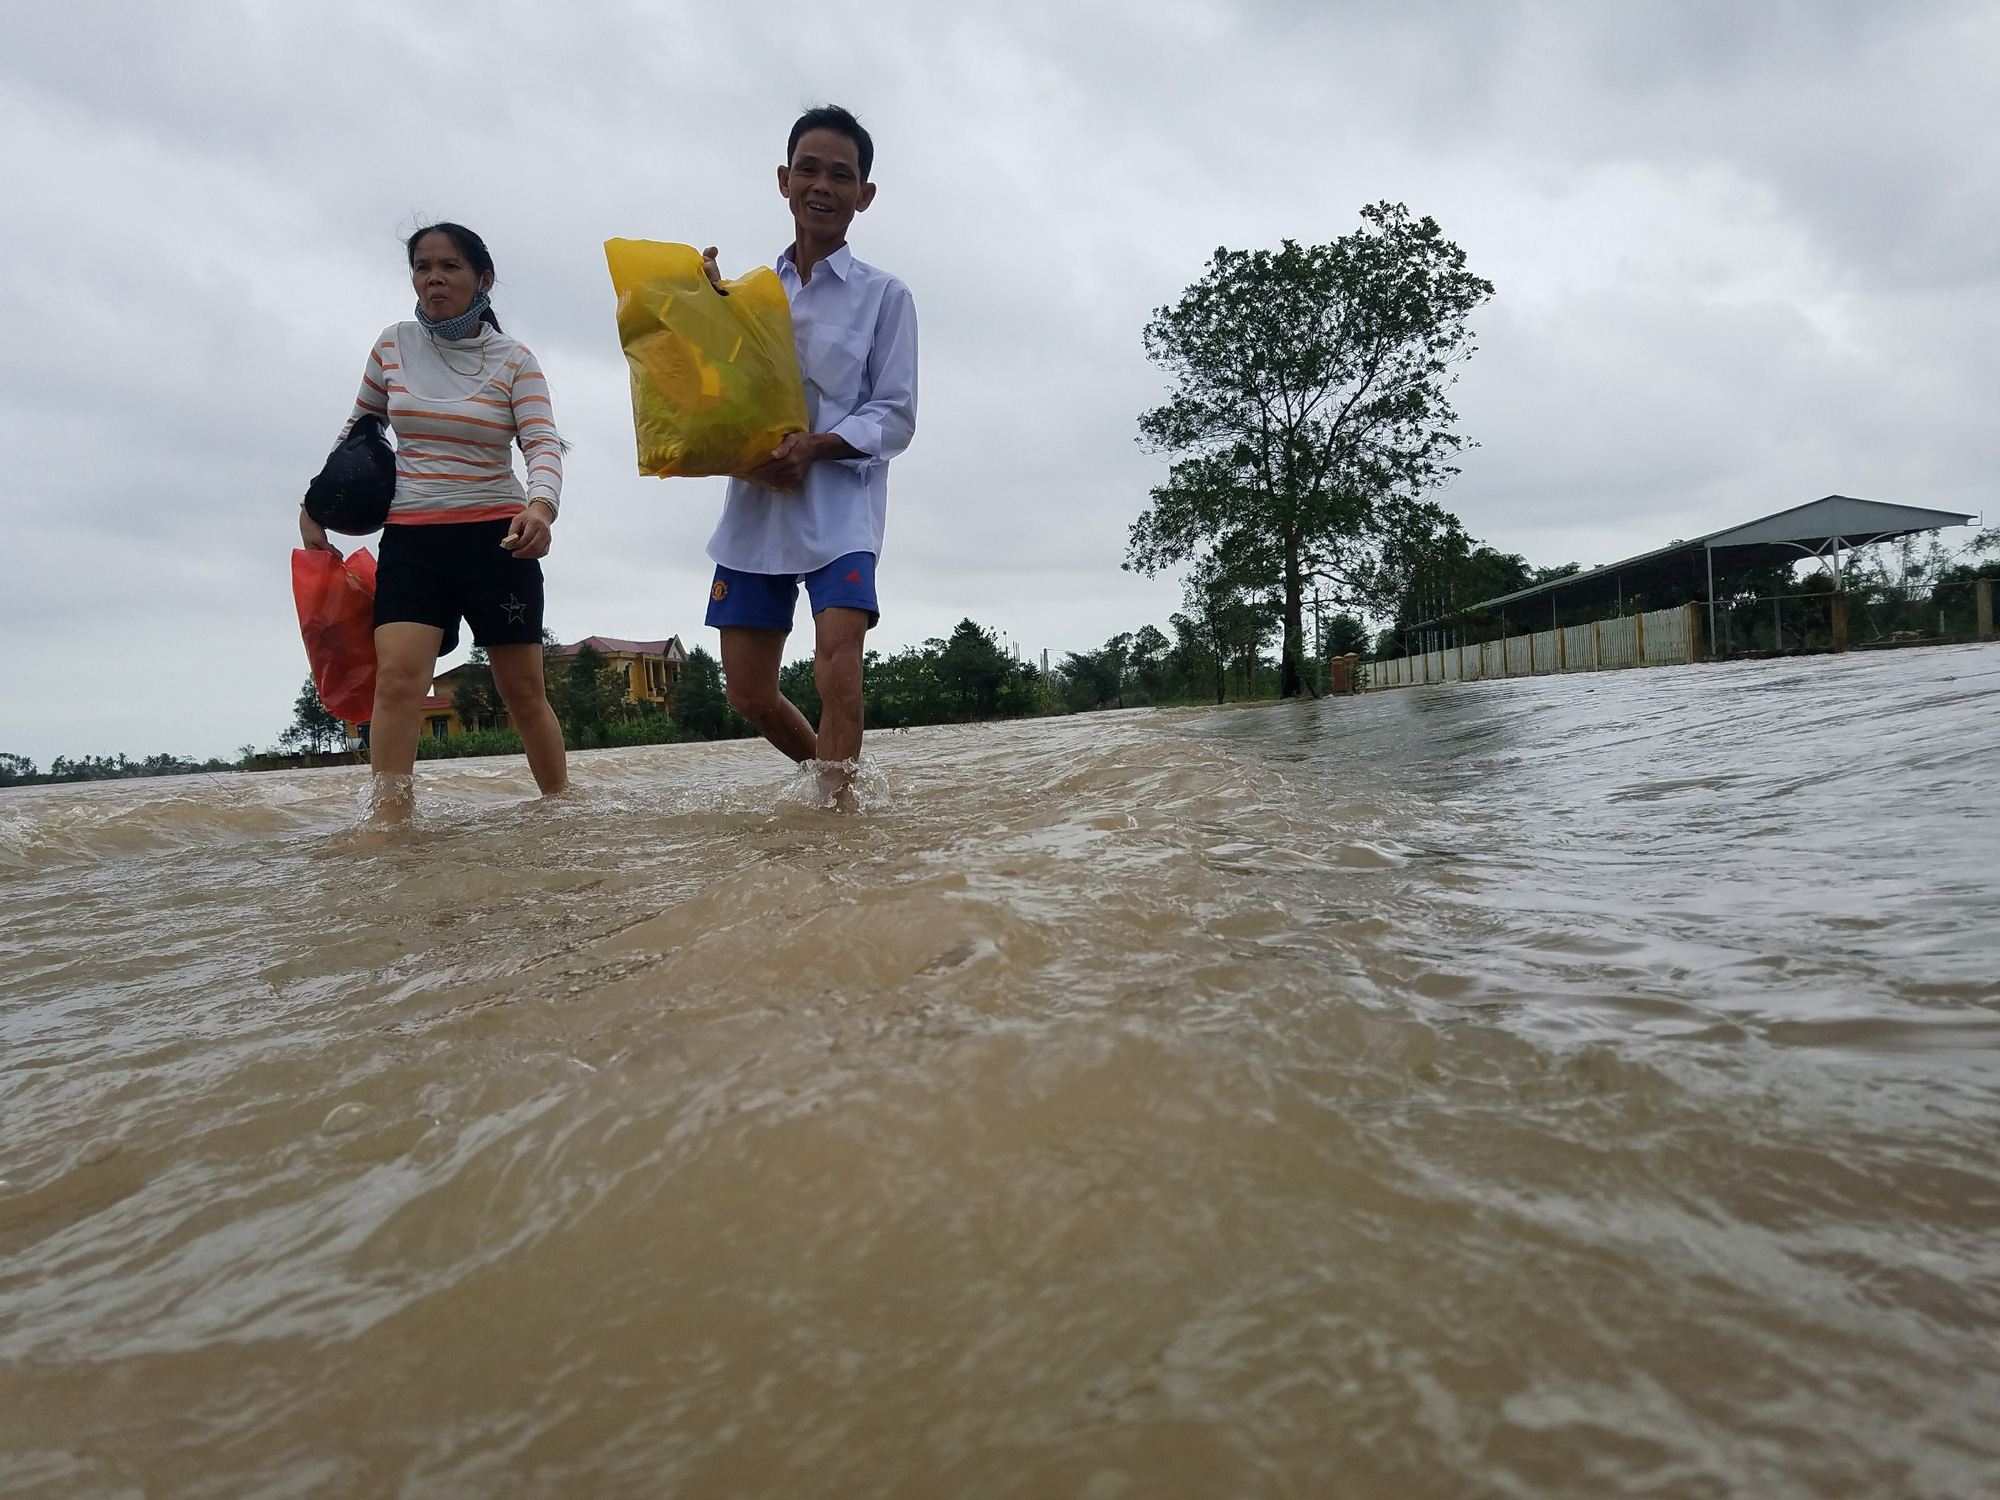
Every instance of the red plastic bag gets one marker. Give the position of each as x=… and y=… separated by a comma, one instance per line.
x=336, y=603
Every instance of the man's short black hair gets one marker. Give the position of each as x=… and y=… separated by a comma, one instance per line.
x=833, y=117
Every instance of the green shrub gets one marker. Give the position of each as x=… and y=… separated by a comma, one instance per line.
x=652, y=729
x=479, y=742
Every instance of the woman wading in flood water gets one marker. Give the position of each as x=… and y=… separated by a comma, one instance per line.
x=464, y=534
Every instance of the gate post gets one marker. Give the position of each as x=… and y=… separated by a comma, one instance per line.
x=1695, y=642
x=1982, y=593
x=1840, y=621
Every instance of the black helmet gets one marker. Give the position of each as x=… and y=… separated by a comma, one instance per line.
x=352, y=493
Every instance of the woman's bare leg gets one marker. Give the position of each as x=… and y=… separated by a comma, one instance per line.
x=405, y=661
x=517, y=672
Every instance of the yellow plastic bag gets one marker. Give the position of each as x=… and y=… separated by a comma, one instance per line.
x=715, y=380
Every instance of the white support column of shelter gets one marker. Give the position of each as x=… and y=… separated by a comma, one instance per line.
x=1712, y=642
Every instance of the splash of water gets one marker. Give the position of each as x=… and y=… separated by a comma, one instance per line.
x=849, y=786
x=388, y=800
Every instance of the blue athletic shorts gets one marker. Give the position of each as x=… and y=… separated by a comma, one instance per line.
x=765, y=601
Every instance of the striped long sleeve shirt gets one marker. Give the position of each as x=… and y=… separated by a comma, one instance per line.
x=458, y=406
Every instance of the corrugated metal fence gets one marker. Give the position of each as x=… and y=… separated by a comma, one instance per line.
x=1666, y=637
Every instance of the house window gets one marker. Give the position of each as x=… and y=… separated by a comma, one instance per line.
x=440, y=728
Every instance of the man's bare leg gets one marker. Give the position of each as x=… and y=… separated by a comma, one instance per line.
x=838, y=636
x=750, y=662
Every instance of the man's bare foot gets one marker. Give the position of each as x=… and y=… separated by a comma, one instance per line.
x=835, y=780
x=834, y=786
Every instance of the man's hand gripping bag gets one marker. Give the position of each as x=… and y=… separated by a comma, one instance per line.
x=715, y=379
x=336, y=603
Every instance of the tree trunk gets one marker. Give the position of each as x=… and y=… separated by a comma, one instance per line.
x=1291, y=677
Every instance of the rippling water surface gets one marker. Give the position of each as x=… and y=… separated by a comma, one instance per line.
x=1540, y=1088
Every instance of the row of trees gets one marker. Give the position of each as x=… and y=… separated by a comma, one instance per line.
x=957, y=679
x=964, y=677
x=19, y=770
x=1218, y=650
x=587, y=693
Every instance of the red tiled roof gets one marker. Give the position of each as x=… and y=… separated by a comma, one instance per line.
x=611, y=643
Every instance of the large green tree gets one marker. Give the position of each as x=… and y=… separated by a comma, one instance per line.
x=1344, y=634
x=1310, y=408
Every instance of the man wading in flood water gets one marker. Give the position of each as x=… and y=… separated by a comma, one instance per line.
x=814, y=513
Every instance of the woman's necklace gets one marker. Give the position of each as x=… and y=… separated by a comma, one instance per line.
x=454, y=368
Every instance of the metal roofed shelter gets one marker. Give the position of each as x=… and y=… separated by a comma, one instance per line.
x=1821, y=528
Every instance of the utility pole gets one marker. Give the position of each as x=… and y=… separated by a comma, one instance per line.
x=1319, y=631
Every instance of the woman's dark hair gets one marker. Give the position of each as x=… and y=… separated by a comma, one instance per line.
x=468, y=245
x=833, y=117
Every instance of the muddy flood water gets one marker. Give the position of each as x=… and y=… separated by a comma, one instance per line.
x=1538, y=1088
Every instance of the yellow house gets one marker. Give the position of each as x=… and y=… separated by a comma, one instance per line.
x=439, y=721
x=650, y=669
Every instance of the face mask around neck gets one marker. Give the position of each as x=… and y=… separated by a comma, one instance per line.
x=458, y=327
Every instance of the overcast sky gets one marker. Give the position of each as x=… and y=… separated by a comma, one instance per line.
x=1745, y=255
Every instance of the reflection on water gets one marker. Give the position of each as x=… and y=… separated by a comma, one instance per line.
x=1548, y=1087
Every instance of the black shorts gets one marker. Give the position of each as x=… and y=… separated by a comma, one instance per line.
x=434, y=575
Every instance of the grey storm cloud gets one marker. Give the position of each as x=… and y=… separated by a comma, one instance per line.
x=1745, y=255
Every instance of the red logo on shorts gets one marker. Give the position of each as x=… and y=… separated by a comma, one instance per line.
x=719, y=592
x=855, y=576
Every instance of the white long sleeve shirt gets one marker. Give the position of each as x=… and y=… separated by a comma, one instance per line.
x=856, y=330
